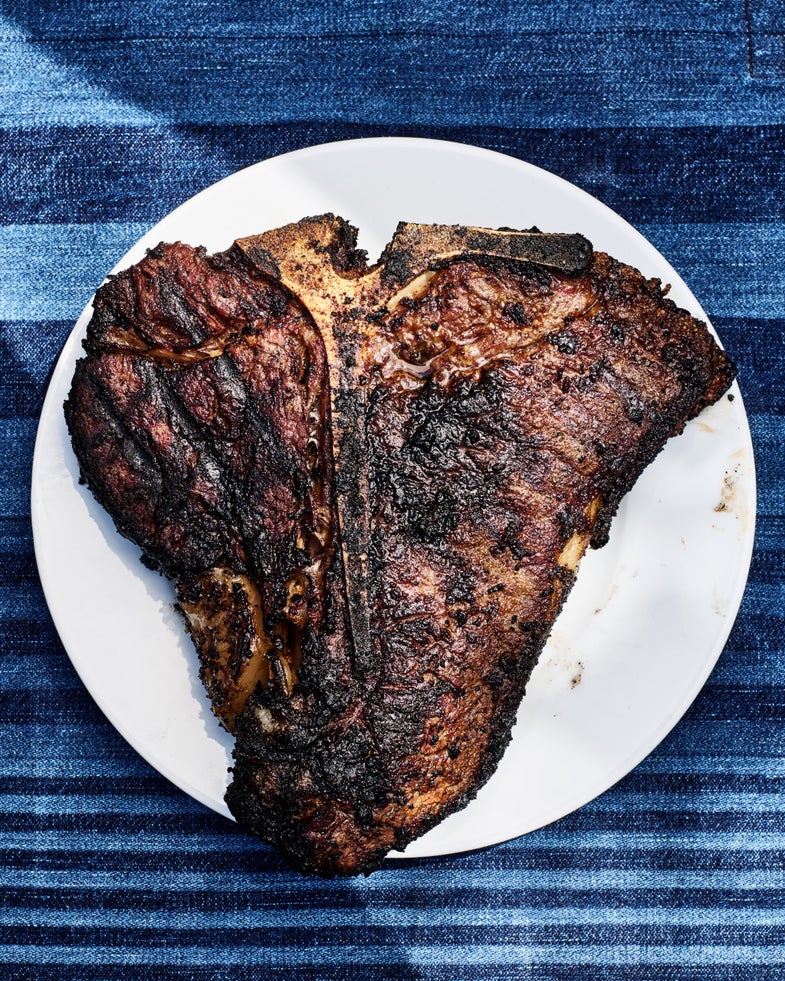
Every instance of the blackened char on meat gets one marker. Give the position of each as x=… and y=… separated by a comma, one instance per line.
x=372, y=487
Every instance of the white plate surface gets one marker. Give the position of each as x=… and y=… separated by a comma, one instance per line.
x=650, y=612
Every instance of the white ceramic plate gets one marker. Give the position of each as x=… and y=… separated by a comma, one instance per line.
x=644, y=625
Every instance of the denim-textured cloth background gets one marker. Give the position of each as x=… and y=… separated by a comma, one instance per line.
x=111, y=114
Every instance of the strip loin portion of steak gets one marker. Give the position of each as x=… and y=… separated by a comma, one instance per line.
x=373, y=487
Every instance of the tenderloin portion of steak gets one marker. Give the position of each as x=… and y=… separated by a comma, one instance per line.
x=199, y=419
x=373, y=487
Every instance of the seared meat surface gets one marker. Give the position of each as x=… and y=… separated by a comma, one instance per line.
x=373, y=487
x=199, y=421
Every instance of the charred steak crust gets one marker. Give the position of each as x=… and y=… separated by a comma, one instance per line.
x=372, y=487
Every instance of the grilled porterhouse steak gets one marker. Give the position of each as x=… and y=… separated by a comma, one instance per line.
x=372, y=487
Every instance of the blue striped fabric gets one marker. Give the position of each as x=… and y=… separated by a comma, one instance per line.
x=111, y=114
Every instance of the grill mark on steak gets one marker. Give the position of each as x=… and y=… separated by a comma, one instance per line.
x=395, y=472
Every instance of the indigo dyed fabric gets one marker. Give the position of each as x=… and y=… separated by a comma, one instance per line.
x=111, y=114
